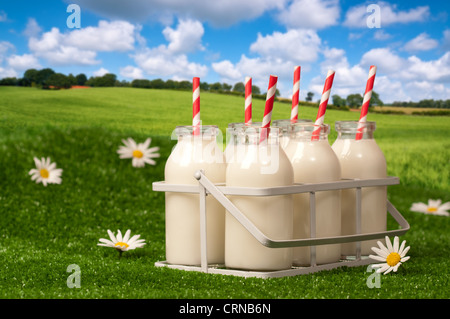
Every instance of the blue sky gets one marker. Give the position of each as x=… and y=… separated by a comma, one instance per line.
x=227, y=40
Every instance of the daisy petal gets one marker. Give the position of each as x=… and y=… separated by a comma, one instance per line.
x=111, y=235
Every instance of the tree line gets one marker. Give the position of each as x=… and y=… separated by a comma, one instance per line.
x=47, y=78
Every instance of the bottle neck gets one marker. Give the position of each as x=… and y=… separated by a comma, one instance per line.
x=308, y=132
x=349, y=129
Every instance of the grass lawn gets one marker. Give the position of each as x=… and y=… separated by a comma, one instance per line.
x=46, y=229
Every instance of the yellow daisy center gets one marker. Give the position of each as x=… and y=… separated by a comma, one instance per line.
x=137, y=153
x=393, y=259
x=44, y=173
x=431, y=209
x=122, y=244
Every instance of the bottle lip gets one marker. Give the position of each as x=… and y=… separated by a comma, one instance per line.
x=188, y=130
x=352, y=126
x=306, y=129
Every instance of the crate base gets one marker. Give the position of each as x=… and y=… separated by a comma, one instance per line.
x=293, y=271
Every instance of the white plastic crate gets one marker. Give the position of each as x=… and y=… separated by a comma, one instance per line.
x=219, y=191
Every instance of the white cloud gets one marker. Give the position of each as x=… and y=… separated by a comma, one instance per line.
x=3, y=16
x=422, y=42
x=7, y=73
x=219, y=13
x=357, y=16
x=310, y=14
x=23, y=62
x=131, y=72
x=5, y=46
x=381, y=35
x=32, y=29
x=171, y=60
x=295, y=45
x=227, y=70
x=107, y=36
x=100, y=72
x=80, y=46
x=186, y=37
x=385, y=60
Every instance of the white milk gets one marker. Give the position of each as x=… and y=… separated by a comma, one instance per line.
x=315, y=162
x=284, y=125
x=183, y=210
x=361, y=159
x=259, y=166
x=231, y=137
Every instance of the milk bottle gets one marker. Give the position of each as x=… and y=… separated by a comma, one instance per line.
x=230, y=149
x=315, y=162
x=259, y=164
x=284, y=126
x=192, y=153
x=361, y=159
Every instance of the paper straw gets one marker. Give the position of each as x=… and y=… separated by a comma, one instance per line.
x=295, y=94
x=248, y=100
x=323, y=105
x=268, y=108
x=366, y=102
x=196, y=105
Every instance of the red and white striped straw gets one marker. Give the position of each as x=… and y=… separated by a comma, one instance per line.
x=196, y=105
x=295, y=94
x=270, y=97
x=248, y=100
x=323, y=105
x=366, y=102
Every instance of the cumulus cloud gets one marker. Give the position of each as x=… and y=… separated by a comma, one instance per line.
x=357, y=16
x=32, y=29
x=297, y=45
x=23, y=62
x=219, y=13
x=422, y=42
x=131, y=72
x=310, y=14
x=186, y=37
x=80, y=46
x=100, y=72
x=170, y=60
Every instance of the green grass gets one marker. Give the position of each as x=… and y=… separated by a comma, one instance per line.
x=46, y=229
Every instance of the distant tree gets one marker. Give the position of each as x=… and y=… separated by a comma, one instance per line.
x=81, y=79
x=309, y=96
x=375, y=100
x=338, y=101
x=109, y=79
x=354, y=100
x=171, y=84
x=185, y=85
x=216, y=86
x=141, y=83
x=157, y=84
x=255, y=90
x=43, y=75
x=204, y=86
x=30, y=77
x=226, y=87
x=9, y=81
x=239, y=87
x=277, y=93
x=58, y=80
x=72, y=79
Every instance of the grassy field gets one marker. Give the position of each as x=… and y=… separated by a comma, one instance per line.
x=46, y=229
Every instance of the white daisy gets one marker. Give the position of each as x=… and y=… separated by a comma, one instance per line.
x=140, y=153
x=124, y=243
x=434, y=207
x=391, y=256
x=45, y=172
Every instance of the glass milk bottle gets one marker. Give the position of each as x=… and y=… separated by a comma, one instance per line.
x=314, y=161
x=231, y=137
x=192, y=153
x=259, y=164
x=284, y=126
x=361, y=159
